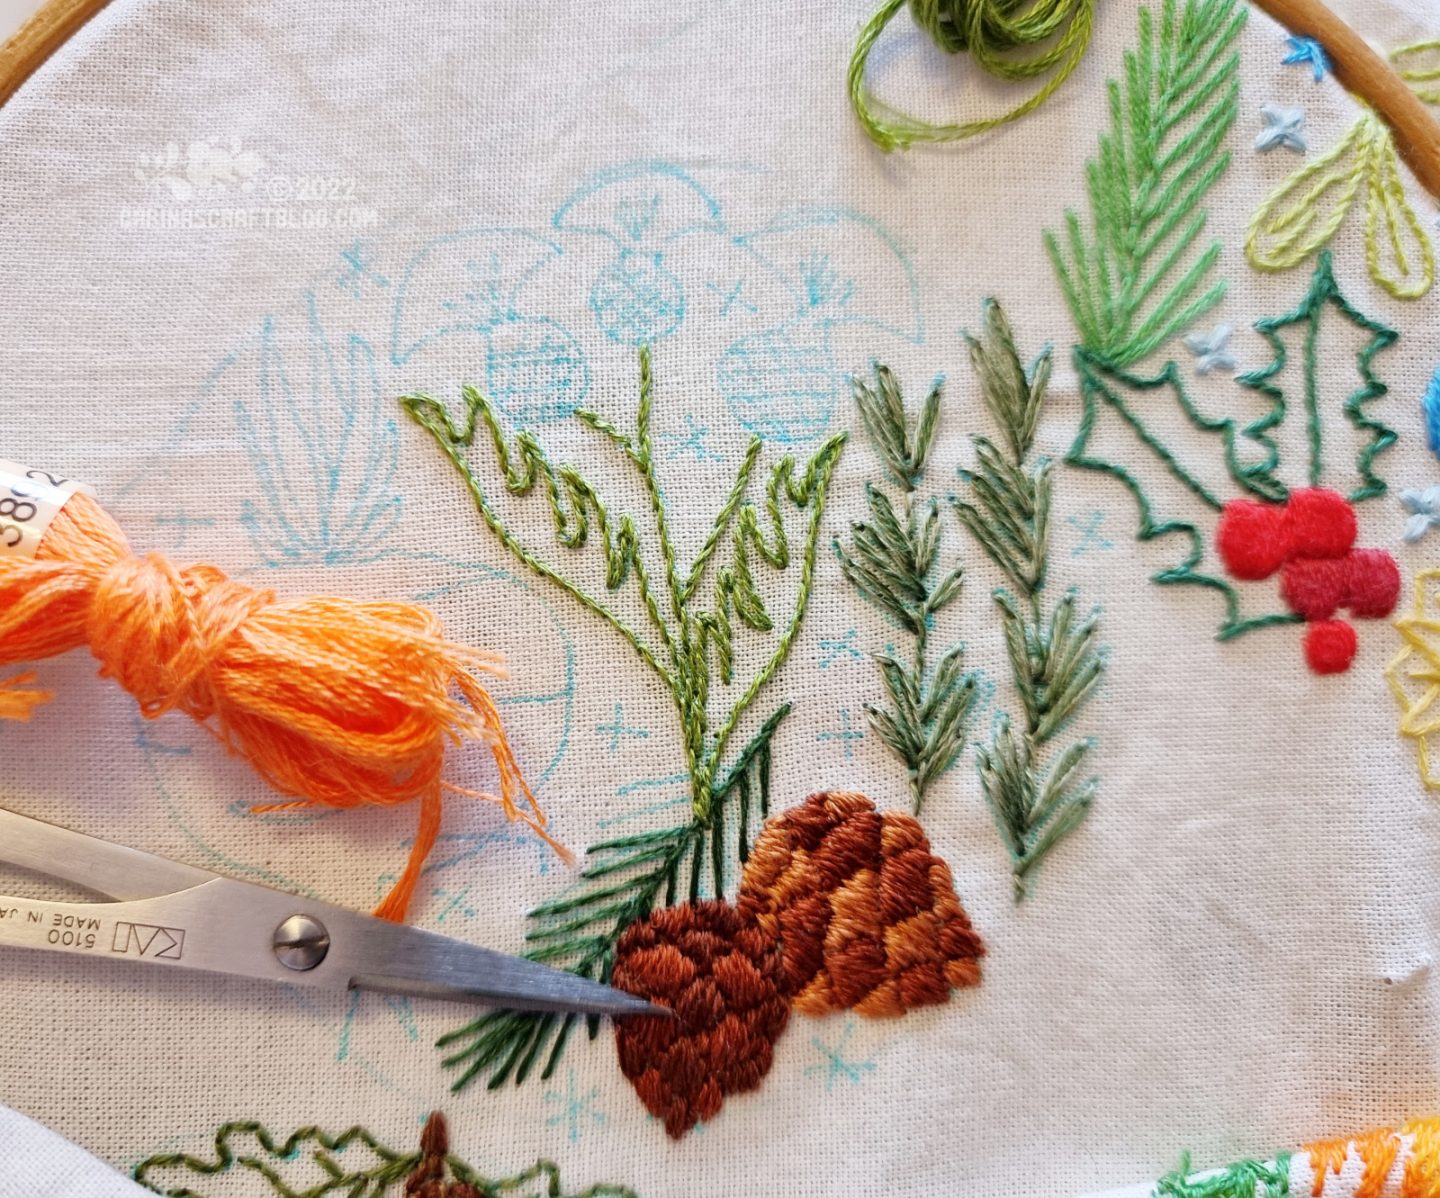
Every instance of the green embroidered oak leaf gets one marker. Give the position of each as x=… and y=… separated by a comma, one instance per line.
x=312, y=1164
x=1323, y=305
x=1128, y=403
x=1133, y=281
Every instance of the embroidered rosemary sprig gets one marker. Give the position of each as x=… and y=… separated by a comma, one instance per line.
x=1053, y=657
x=351, y=1165
x=689, y=647
x=892, y=563
x=1133, y=282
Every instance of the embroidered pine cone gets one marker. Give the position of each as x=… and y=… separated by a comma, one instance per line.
x=428, y=1180
x=722, y=977
x=867, y=915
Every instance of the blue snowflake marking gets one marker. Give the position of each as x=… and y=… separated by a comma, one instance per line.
x=576, y=1112
x=693, y=443
x=358, y=271
x=1090, y=536
x=845, y=734
x=728, y=299
x=455, y=901
x=835, y=1063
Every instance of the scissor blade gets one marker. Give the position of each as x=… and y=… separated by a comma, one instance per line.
x=412, y=961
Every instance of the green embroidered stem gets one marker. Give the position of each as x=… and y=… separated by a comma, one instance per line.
x=1053, y=659
x=317, y=1152
x=687, y=648
x=693, y=645
x=1127, y=283
x=891, y=563
x=1010, y=39
x=1324, y=294
x=1244, y=1179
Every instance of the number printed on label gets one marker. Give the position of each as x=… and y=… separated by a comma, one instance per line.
x=29, y=500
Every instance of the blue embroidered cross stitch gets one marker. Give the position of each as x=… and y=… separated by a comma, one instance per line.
x=1305, y=50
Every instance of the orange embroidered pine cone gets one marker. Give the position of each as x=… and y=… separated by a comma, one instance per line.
x=867, y=915
x=722, y=977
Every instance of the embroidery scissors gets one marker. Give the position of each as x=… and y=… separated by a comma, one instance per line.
x=179, y=917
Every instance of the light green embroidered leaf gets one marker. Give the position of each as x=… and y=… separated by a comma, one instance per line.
x=1138, y=275
x=1313, y=319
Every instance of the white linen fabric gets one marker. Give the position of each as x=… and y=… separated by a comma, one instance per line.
x=231, y=236
x=39, y=1164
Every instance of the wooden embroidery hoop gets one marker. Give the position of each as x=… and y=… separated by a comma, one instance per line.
x=40, y=36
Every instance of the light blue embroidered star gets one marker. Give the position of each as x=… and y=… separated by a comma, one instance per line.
x=1212, y=349
x=1307, y=49
x=1424, y=509
x=1283, y=127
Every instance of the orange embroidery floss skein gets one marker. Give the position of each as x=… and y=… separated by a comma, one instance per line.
x=337, y=702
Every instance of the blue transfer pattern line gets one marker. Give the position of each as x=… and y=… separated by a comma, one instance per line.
x=1090, y=535
x=835, y=1064
x=728, y=299
x=694, y=442
x=576, y=1112
x=617, y=729
x=454, y=901
x=845, y=735
x=848, y=647
x=358, y=270
x=184, y=523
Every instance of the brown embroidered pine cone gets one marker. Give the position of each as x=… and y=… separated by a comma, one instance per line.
x=867, y=915
x=428, y=1180
x=722, y=977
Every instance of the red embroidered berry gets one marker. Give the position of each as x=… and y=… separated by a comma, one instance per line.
x=1251, y=538
x=1373, y=583
x=1330, y=646
x=1315, y=589
x=1319, y=523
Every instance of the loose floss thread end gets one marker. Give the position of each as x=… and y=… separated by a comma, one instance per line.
x=1047, y=38
x=338, y=702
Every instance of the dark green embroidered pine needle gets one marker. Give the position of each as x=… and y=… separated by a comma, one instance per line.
x=316, y=1151
x=891, y=563
x=1054, y=661
x=690, y=648
x=1134, y=280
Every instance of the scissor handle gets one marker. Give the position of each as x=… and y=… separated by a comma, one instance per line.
x=110, y=869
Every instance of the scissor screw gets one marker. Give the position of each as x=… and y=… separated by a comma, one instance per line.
x=301, y=943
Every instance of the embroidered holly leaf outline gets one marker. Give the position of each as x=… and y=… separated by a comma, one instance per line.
x=1324, y=295
x=1103, y=388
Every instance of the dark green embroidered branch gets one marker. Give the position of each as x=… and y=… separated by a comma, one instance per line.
x=1053, y=658
x=624, y=881
x=891, y=563
x=1127, y=283
x=345, y=1178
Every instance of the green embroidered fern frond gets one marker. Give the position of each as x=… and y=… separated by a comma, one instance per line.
x=1053, y=659
x=353, y=1164
x=1135, y=279
x=891, y=563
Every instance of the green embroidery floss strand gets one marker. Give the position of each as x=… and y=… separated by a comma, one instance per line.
x=1013, y=40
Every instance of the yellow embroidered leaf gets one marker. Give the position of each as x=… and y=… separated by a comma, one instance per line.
x=1397, y=249
x=1419, y=66
x=1305, y=211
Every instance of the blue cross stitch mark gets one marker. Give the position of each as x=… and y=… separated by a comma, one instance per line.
x=695, y=442
x=1308, y=50
x=844, y=734
x=619, y=729
x=576, y=1112
x=835, y=1064
x=148, y=744
x=184, y=523
x=456, y=902
x=1089, y=534
x=729, y=299
x=846, y=647
x=357, y=270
